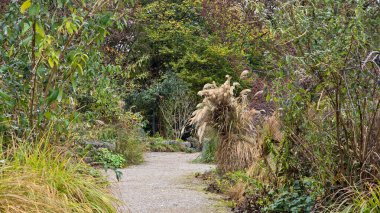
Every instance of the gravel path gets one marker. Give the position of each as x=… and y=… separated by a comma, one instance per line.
x=166, y=183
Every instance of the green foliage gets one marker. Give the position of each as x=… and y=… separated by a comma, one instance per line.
x=107, y=134
x=159, y=144
x=101, y=100
x=174, y=37
x=317, y=78
x=230, y=179
x=71, y=65
x=167, y=90
x=209, y=150
x=108, y=159
x=130, y=148
x=299, y=197
x=176, y=109
x=357, y=198
x=125, y=137
x=366, y=202
x=131, y=138
x=246, y=194
x=313, y=53
x=47, y=46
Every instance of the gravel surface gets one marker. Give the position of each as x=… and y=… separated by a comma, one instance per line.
x=166, y=183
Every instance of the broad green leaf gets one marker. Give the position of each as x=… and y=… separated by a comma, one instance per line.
x=53, y=95
x=25, y=6
x=34, y=10
x=25, y=28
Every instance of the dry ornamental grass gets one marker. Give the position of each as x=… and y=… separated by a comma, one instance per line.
x=228, y=113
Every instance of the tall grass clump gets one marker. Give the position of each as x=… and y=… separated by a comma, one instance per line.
x=131, y=148
x=356, y=198
x=228, y=114
x=36, y=177
x=131, y=138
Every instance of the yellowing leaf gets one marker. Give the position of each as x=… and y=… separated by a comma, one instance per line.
x=69, y=27
x=25, y=6
x=51, y=62
x=80, y=69
x=40, y=31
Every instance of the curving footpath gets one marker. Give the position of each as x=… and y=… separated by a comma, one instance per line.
x=165, y=183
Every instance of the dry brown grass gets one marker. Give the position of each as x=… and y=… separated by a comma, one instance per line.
x=37, y=178
x=227, y=113
x=236, y=193
x=23, y=191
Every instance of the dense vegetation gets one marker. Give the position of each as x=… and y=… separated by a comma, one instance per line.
x=294, y=128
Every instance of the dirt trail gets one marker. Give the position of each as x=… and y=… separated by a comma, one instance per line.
x=165, y=183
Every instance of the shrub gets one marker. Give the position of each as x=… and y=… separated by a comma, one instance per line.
x=176, y=109
x=31, y=95
x=125, y=137
x=130, y=137
x=107, y=134
x=39, y=178
x=209, y=150
x=159, y=144
x=246, y=193
x=301, y=196
x=108, y=159
x=130, y=148
x=167, y=105
x=328, y=88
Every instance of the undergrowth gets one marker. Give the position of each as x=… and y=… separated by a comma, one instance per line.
x=209, y=150
x=108, y=159
x=159, y=144
x=130, y=148
x=37, y=177
x=247, y=194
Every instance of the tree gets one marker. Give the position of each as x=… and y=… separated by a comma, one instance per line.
x=46, y=46
x=176, y=109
